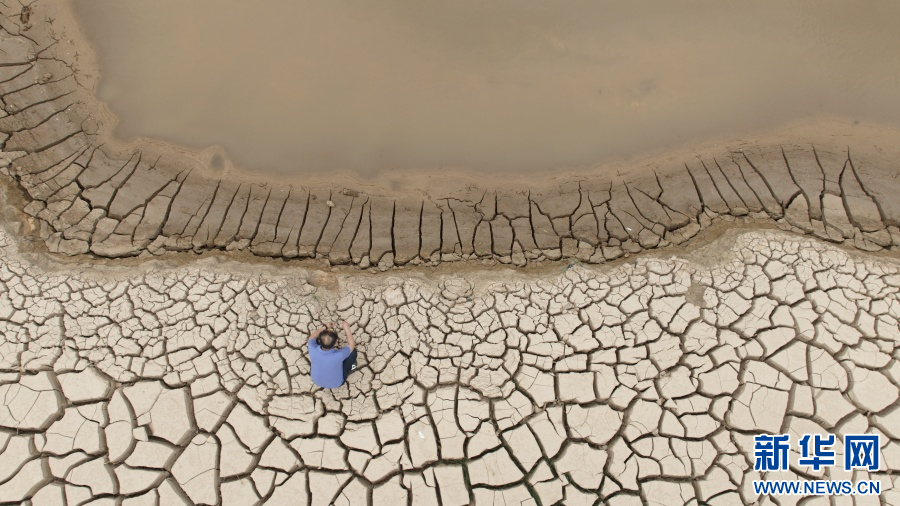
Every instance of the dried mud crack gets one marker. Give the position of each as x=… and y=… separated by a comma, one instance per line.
x=642, y=383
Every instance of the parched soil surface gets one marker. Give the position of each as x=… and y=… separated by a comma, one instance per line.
x=190, y=384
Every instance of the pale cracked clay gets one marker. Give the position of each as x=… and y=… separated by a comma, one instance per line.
x=638, y=384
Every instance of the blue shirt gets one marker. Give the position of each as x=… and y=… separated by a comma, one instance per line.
x=327, y=366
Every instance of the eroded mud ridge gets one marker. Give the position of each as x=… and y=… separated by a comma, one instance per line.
x=91, y=196
x=643, y=382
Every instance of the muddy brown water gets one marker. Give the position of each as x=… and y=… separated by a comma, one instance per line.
x=297, y=87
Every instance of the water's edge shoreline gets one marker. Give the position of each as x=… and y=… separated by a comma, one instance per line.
x=88, y=194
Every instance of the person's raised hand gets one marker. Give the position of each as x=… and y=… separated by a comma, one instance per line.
x=329, y=325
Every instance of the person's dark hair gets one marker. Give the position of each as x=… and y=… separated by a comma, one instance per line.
x=327, y=339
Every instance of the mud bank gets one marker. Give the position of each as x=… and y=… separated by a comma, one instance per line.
x=88, y=194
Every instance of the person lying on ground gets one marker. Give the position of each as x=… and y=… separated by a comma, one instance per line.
x=330, y=365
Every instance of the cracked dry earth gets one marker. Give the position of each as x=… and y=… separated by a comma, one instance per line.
x=638, y=383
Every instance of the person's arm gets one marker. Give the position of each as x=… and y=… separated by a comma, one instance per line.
x=316, y=333
x=351, y=343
